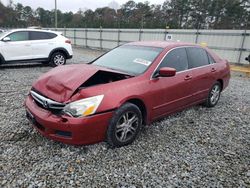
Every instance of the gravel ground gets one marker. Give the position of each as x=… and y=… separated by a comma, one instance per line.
x=197, y=147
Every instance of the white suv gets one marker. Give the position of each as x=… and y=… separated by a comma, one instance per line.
x=34, y=45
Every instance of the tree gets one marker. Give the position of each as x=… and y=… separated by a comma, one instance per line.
x=143, y=14
x=19, y=10
x=127, y=12
x=89, y=18
x=44, y=17
x=66, y=20
x=179, y=12
x=156, y=20
x=189, y=14
x=199, y=12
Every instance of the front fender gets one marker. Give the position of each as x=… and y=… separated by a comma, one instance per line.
x=2, y=60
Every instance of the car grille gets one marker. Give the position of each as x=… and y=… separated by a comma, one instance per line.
x=47, y=103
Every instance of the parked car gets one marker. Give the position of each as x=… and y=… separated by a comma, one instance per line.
x=112, y=97
x=23, y=45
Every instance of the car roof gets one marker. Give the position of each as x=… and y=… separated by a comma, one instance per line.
x=161, y=44
x=42, y=30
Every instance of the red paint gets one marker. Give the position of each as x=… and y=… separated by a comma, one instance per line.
x=84, y=130
x=167, y=72
x=61, y=82
x=161, y=96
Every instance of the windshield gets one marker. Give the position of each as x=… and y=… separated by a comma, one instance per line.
x=130, y=59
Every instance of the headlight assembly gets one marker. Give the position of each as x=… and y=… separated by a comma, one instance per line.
x=84, y=107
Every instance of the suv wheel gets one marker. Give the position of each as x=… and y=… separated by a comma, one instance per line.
x=58, y=58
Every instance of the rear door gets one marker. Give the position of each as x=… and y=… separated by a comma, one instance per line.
x=203, y=71
x=173, y=93
x=42, y=43
x=18, y=48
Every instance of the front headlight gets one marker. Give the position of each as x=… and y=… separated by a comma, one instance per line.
x=83, y=107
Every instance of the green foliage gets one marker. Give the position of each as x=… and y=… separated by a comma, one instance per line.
x=174, y=14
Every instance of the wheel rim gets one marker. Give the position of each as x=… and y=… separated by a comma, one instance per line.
x=215, y=94
x=126, y=126
x=59, y=59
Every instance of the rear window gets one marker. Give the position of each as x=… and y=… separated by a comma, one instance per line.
x=210, y=58
x=197, y=57
x=37, y=35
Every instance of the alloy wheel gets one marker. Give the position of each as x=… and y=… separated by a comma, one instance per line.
x=215, y=94
x=59, y=59
x=127, y=126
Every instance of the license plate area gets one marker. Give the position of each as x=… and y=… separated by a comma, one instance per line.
x=32, y=119
x=30, y=116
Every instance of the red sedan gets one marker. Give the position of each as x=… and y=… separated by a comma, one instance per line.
x=112, y=97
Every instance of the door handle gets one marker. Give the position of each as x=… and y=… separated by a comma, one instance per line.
x=27, y=45
x=188, y=77
x=213, y=69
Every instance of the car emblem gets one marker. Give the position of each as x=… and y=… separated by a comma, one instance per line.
x=45, y=104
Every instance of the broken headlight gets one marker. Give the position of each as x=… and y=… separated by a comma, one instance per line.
x=83, y=107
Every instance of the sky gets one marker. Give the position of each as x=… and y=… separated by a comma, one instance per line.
x=73, y=5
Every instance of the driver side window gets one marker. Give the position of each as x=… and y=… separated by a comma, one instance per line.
x=19, y=36
x=176, y=59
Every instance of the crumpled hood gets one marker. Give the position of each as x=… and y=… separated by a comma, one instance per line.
x=61, y=82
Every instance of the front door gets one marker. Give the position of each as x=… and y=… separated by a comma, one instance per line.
x=175, y=92
x=18, y=48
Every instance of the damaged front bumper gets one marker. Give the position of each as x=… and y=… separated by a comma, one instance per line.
x=69, y=130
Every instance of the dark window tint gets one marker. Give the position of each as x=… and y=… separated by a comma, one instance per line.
x=19, y=36
x=176, y=59
x=36, y=35
x=210, y=59
x=197, y=57
x=52, y=35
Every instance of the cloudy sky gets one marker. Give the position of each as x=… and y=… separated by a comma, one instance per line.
x=73, y=5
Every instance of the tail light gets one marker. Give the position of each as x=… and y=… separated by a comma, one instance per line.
x=68, y=41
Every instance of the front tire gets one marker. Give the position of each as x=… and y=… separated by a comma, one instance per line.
x=124, y=125
x=57, y=59
x=214, y=95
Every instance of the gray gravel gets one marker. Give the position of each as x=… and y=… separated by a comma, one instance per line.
x=194, y=148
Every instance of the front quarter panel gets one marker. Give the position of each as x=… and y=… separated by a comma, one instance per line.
x=117, y=93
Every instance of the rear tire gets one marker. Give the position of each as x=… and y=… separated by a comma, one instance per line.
x=214, y=95
x=57, y=59
x=124, y=125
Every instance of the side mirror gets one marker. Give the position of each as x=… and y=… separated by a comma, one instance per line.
x=6, y=39
x=167, y=72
